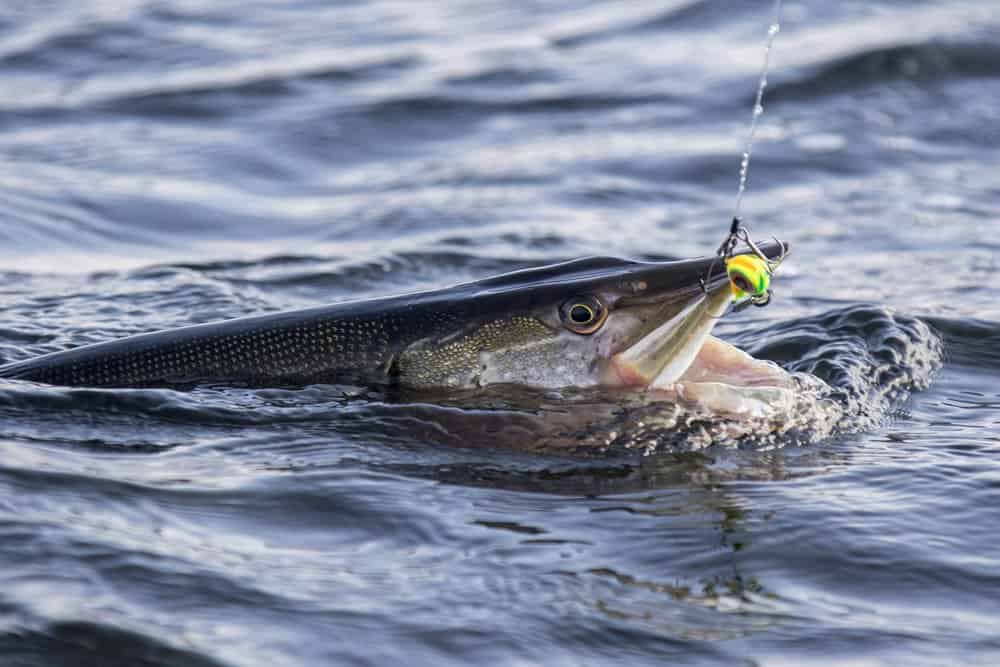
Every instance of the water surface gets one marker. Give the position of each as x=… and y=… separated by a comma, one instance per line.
x=170, y=162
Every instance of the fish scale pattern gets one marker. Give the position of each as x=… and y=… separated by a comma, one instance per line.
x=321, y=350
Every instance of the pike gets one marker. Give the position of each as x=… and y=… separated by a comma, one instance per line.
x=589, y=322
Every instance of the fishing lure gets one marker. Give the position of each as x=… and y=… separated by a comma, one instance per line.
x=749, y=274
x=749, y=277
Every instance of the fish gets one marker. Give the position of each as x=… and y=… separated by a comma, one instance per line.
x=595, y=321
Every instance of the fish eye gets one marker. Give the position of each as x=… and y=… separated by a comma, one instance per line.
x=583, y=315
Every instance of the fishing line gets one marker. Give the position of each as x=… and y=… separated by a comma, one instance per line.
x=758, y=105
x=750, y=275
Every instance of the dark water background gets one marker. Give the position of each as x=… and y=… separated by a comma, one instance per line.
x=170, y=162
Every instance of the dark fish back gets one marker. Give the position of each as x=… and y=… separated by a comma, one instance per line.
x=319, y=345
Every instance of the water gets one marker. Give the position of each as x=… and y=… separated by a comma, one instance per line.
x=163, y=163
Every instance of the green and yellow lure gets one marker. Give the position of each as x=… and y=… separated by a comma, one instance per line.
x=749, y=276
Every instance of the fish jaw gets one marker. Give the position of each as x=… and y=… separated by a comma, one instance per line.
x=666, y=352
x=680, y=360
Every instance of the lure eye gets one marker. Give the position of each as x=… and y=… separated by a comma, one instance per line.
x=748, y=276
x=583, y=315
x=741, y=283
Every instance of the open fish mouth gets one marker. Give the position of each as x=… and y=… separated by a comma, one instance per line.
x=680, y=360
x=723, y=379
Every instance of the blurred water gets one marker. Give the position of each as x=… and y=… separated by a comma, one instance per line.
x=170, y=162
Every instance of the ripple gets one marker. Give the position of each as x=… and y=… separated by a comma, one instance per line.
x=920, y=63
x=86, y=643
x=968, y=342
x=679, y=15
x=206, y=94
x=434, y=106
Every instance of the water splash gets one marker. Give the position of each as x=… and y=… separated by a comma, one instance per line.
x=758, y=107
x=851, y=368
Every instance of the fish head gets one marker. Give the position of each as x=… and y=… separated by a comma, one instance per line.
x=590, y=322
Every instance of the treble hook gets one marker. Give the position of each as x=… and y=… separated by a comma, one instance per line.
x=726, y=251
x=772, y=265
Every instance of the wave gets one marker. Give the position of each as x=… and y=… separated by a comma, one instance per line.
x=445, y=105
x=682, y=14
x=969, y=343
x=89, y=644
x=209, y=92
x=920, y=62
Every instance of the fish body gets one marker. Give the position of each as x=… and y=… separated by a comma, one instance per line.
x=586, y=322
